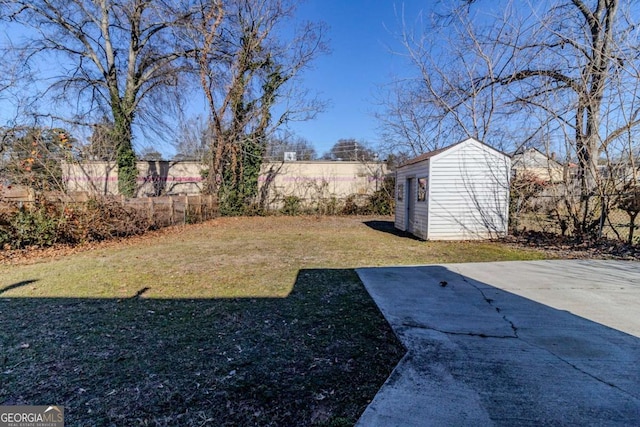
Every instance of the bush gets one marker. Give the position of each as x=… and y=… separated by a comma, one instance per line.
x=46, y=223
x=254, y=209
x=350, y=206
x=5, y=236
x=37, y=227
x=292, y=205
x=327, y=206
x=380, y=203
x=104, y=219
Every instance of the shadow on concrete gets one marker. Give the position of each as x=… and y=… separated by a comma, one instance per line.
x=388, y=227
x=219, y=361
x=490, y=357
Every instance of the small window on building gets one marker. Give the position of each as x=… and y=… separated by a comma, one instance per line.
x=422, y=189
x=400, y=194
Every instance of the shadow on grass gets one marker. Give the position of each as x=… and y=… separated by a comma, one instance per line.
x=317, y=356
x=17, y=285
x=389, y=227
x=140, y=292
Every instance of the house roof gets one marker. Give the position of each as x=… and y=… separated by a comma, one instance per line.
x=522, y=151
x=430, y=154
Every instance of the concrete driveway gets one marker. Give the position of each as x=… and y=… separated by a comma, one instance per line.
x=511, y=343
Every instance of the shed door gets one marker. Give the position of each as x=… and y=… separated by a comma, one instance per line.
x=411, y=204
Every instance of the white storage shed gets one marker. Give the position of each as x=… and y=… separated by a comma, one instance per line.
x=460, y=192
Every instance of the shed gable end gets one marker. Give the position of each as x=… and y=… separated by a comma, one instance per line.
x=469, y=193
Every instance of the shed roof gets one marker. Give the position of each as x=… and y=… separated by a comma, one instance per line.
x=428, y=155
x=433, y=153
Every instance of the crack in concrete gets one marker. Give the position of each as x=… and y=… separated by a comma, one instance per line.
x=579, y=369
x=490, y=302
x=442, y=331
x=515, y=331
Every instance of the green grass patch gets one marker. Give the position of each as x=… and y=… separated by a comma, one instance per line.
x=239, y=321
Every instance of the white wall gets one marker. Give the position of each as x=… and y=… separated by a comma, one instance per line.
x=308, y=180
x=315, y=180
x=469, y=193
x=154, y=177
x=534, y=163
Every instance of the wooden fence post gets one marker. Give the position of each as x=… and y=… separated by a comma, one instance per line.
x=186, y=208
x=151, y=211
x=172, y=215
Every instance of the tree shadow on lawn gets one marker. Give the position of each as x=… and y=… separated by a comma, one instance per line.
x=317, y=356
x=17, y=285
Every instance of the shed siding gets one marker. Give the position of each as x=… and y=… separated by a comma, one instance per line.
x=469, y=187
x=415, y=171
x=400, y=208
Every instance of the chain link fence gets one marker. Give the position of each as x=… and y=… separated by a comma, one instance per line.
x=610, y=216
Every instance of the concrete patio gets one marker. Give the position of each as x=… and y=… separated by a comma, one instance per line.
x=511, y=343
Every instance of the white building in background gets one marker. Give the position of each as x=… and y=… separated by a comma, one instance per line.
x=532, y=163
x=307, y=180
x=155, y=178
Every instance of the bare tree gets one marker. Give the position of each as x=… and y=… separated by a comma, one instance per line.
x=31, y=156
x=443, y=101
x=278, y=145
x=351, y=150
x=405, y=124
x=558, y=72
x=117, y=53
x=192, y=140
x=148, y=153
x=101, y=144
x=245, y=69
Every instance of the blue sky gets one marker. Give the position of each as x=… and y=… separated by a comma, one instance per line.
x=362, y=35
x=362, y=39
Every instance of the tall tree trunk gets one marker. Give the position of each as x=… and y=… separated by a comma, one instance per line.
x=125, y=155
x=594, y=76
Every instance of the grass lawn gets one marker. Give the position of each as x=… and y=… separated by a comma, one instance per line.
x=239, y=321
